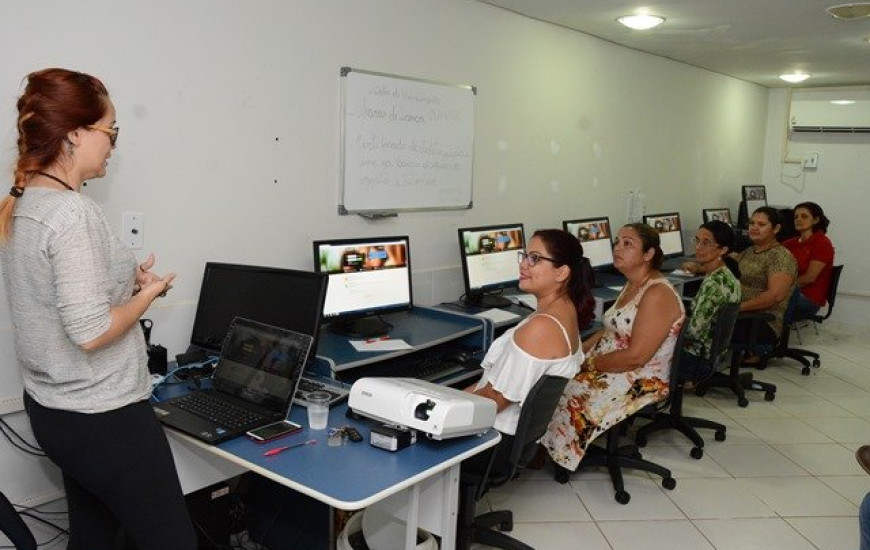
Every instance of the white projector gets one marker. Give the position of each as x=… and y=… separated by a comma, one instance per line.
x=438, y=411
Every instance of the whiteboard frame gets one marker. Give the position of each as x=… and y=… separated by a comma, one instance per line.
x=393, y=212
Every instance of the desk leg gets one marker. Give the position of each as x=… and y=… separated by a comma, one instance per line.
x=439, y=515
x=412, y=520
x=450, y=508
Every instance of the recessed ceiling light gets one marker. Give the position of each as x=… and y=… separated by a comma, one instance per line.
x=794, y=78
x=850, y=11
x=843, y=102
x=641, y=22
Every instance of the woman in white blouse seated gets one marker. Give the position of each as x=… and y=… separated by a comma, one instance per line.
x=547, y=342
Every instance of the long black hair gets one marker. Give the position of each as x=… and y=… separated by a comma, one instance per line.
x=565, y=249
x=723, y=235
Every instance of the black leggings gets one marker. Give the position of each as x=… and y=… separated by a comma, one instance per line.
x=118, y=471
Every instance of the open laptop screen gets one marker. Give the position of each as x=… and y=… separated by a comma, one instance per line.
x=261, y=363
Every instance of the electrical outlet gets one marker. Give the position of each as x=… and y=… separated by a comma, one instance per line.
x=133, y=229
x=811, y=161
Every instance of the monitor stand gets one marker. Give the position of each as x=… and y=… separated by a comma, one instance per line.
x=482, y=299
x=362, y=327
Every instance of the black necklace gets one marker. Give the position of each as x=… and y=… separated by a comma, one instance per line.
x=58, y=180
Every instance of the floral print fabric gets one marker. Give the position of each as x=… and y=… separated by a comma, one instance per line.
x=593, y=402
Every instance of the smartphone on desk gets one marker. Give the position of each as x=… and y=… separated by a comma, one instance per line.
x=273, y=431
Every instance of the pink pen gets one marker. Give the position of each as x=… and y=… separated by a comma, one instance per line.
x=278, y=450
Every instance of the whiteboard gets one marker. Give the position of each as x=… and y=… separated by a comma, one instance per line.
x=407, y=144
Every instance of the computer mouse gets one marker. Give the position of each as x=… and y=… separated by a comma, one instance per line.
x=460, y=357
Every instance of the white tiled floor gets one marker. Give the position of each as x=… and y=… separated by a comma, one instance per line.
x=786, y=477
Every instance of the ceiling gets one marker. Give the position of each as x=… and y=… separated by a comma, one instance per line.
x=754, y=40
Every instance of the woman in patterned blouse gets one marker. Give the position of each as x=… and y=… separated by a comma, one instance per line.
x=628, y=363
x=713, y=242
x=768, y=273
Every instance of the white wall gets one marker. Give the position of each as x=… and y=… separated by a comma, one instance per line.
x=230, y=126
x=839, y=185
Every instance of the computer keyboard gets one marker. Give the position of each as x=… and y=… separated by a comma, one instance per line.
x=434, y=365
x=337, y=390
x=218, y=410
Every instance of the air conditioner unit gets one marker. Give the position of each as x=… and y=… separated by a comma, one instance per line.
x=830, y=111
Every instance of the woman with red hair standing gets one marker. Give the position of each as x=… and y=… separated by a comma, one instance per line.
x=76, y=294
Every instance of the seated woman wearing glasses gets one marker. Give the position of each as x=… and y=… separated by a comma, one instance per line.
x=547, y=342
x=713, y=242
x=628, y=362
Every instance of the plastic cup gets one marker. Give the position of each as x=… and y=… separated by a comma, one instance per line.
x=318, y=409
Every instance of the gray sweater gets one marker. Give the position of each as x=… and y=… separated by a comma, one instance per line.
x=64, y=268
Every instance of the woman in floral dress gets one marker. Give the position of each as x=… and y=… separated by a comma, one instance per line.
x=628, y=362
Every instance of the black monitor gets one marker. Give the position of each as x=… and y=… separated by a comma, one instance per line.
x=490, y=262
x=367, y=277
x=596, y=237
x=722, y=214
x=285, y=298
x=755, y=197
x=670, y=232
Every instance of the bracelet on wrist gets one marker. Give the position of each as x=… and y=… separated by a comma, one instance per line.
x=590, y=364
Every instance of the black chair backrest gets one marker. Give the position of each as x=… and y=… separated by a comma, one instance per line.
x=836, y=271
x=721, y=332
x=674, y=380
x=536, y=413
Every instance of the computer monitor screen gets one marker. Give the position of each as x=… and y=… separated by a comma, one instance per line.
x=670, y=232
x=367, y=277
x=595, y=236
x=755, y=197
x=489, y=261
x=285, y=298
x=720, y=214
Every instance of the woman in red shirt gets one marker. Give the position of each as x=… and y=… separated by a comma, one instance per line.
x=815, y=257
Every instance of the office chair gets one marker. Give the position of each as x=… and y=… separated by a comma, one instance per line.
x=805, y=357
x=14, y=527
x=721, y=330
x=535, y=415
x=740, y=382
x=616, y=457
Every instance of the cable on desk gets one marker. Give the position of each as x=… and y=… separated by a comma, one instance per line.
x=459, y=304
x=389, y=325
x=157, y=382
x=24, y=445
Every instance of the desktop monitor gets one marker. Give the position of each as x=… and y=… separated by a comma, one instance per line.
x=722, y=214
x=489, y=262
x=595, y=236
x=755, y=197
x=670, y=232
x=282, y=297
x=367, y=277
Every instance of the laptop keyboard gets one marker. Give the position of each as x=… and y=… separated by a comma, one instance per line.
x=218, y=410
x=307, y=385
